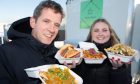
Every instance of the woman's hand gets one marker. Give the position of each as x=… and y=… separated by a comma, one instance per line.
x=73, y=64
x=116, y=63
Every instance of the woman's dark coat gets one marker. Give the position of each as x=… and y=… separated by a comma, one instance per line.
x=103, y=73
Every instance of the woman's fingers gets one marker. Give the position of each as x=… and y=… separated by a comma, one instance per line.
x=79, y=61
x=120, y=63
x=116, y=62
x=65, y=63
x=72, y=65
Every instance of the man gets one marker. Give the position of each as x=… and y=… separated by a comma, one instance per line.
x=31, y=45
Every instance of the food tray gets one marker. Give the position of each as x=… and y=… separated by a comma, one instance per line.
x=68, y=60
x=121, y=57
x=95, y=60
x=34, y=72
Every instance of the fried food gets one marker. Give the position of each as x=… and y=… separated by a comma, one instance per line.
x=121, y=49
x=68, y=51
x=57, y=76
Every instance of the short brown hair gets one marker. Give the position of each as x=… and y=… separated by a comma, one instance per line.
x=48, y=4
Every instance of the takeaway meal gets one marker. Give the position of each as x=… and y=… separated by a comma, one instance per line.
x=91, y=53
x=121, y=49
x=56, y=75
x=68, y=51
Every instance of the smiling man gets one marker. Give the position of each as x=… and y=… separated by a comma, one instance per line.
x=32, y=44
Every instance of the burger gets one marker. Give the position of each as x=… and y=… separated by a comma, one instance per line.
x=68, y=51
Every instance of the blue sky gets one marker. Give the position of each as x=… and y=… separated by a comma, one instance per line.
x=11, y=10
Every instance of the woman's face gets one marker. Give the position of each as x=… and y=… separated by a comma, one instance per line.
x=100, y=32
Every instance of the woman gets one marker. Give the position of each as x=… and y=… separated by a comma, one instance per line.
x=110, y=71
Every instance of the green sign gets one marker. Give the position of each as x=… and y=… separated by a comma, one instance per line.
x=90, y=11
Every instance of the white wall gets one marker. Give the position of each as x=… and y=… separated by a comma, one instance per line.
x=117, y=12
x=136, y=29
x=73, y=31
x=136, y=40
x=1, y=29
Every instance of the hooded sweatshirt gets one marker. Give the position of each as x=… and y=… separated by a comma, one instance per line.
x=24, y=51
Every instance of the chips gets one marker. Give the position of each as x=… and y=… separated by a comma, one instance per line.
x=121, y=49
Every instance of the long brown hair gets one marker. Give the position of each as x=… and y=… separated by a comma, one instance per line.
x=113, y=36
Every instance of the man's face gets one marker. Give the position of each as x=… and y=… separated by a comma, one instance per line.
x=46, y=27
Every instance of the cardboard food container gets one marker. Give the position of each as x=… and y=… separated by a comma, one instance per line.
x=69, y=60
x=58, y=44
x=87, y=46
x=121, y=57
x=95, y=60
x=34, y=72
x=121, y=51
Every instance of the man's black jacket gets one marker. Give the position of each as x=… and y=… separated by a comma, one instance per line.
x=23, y=52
